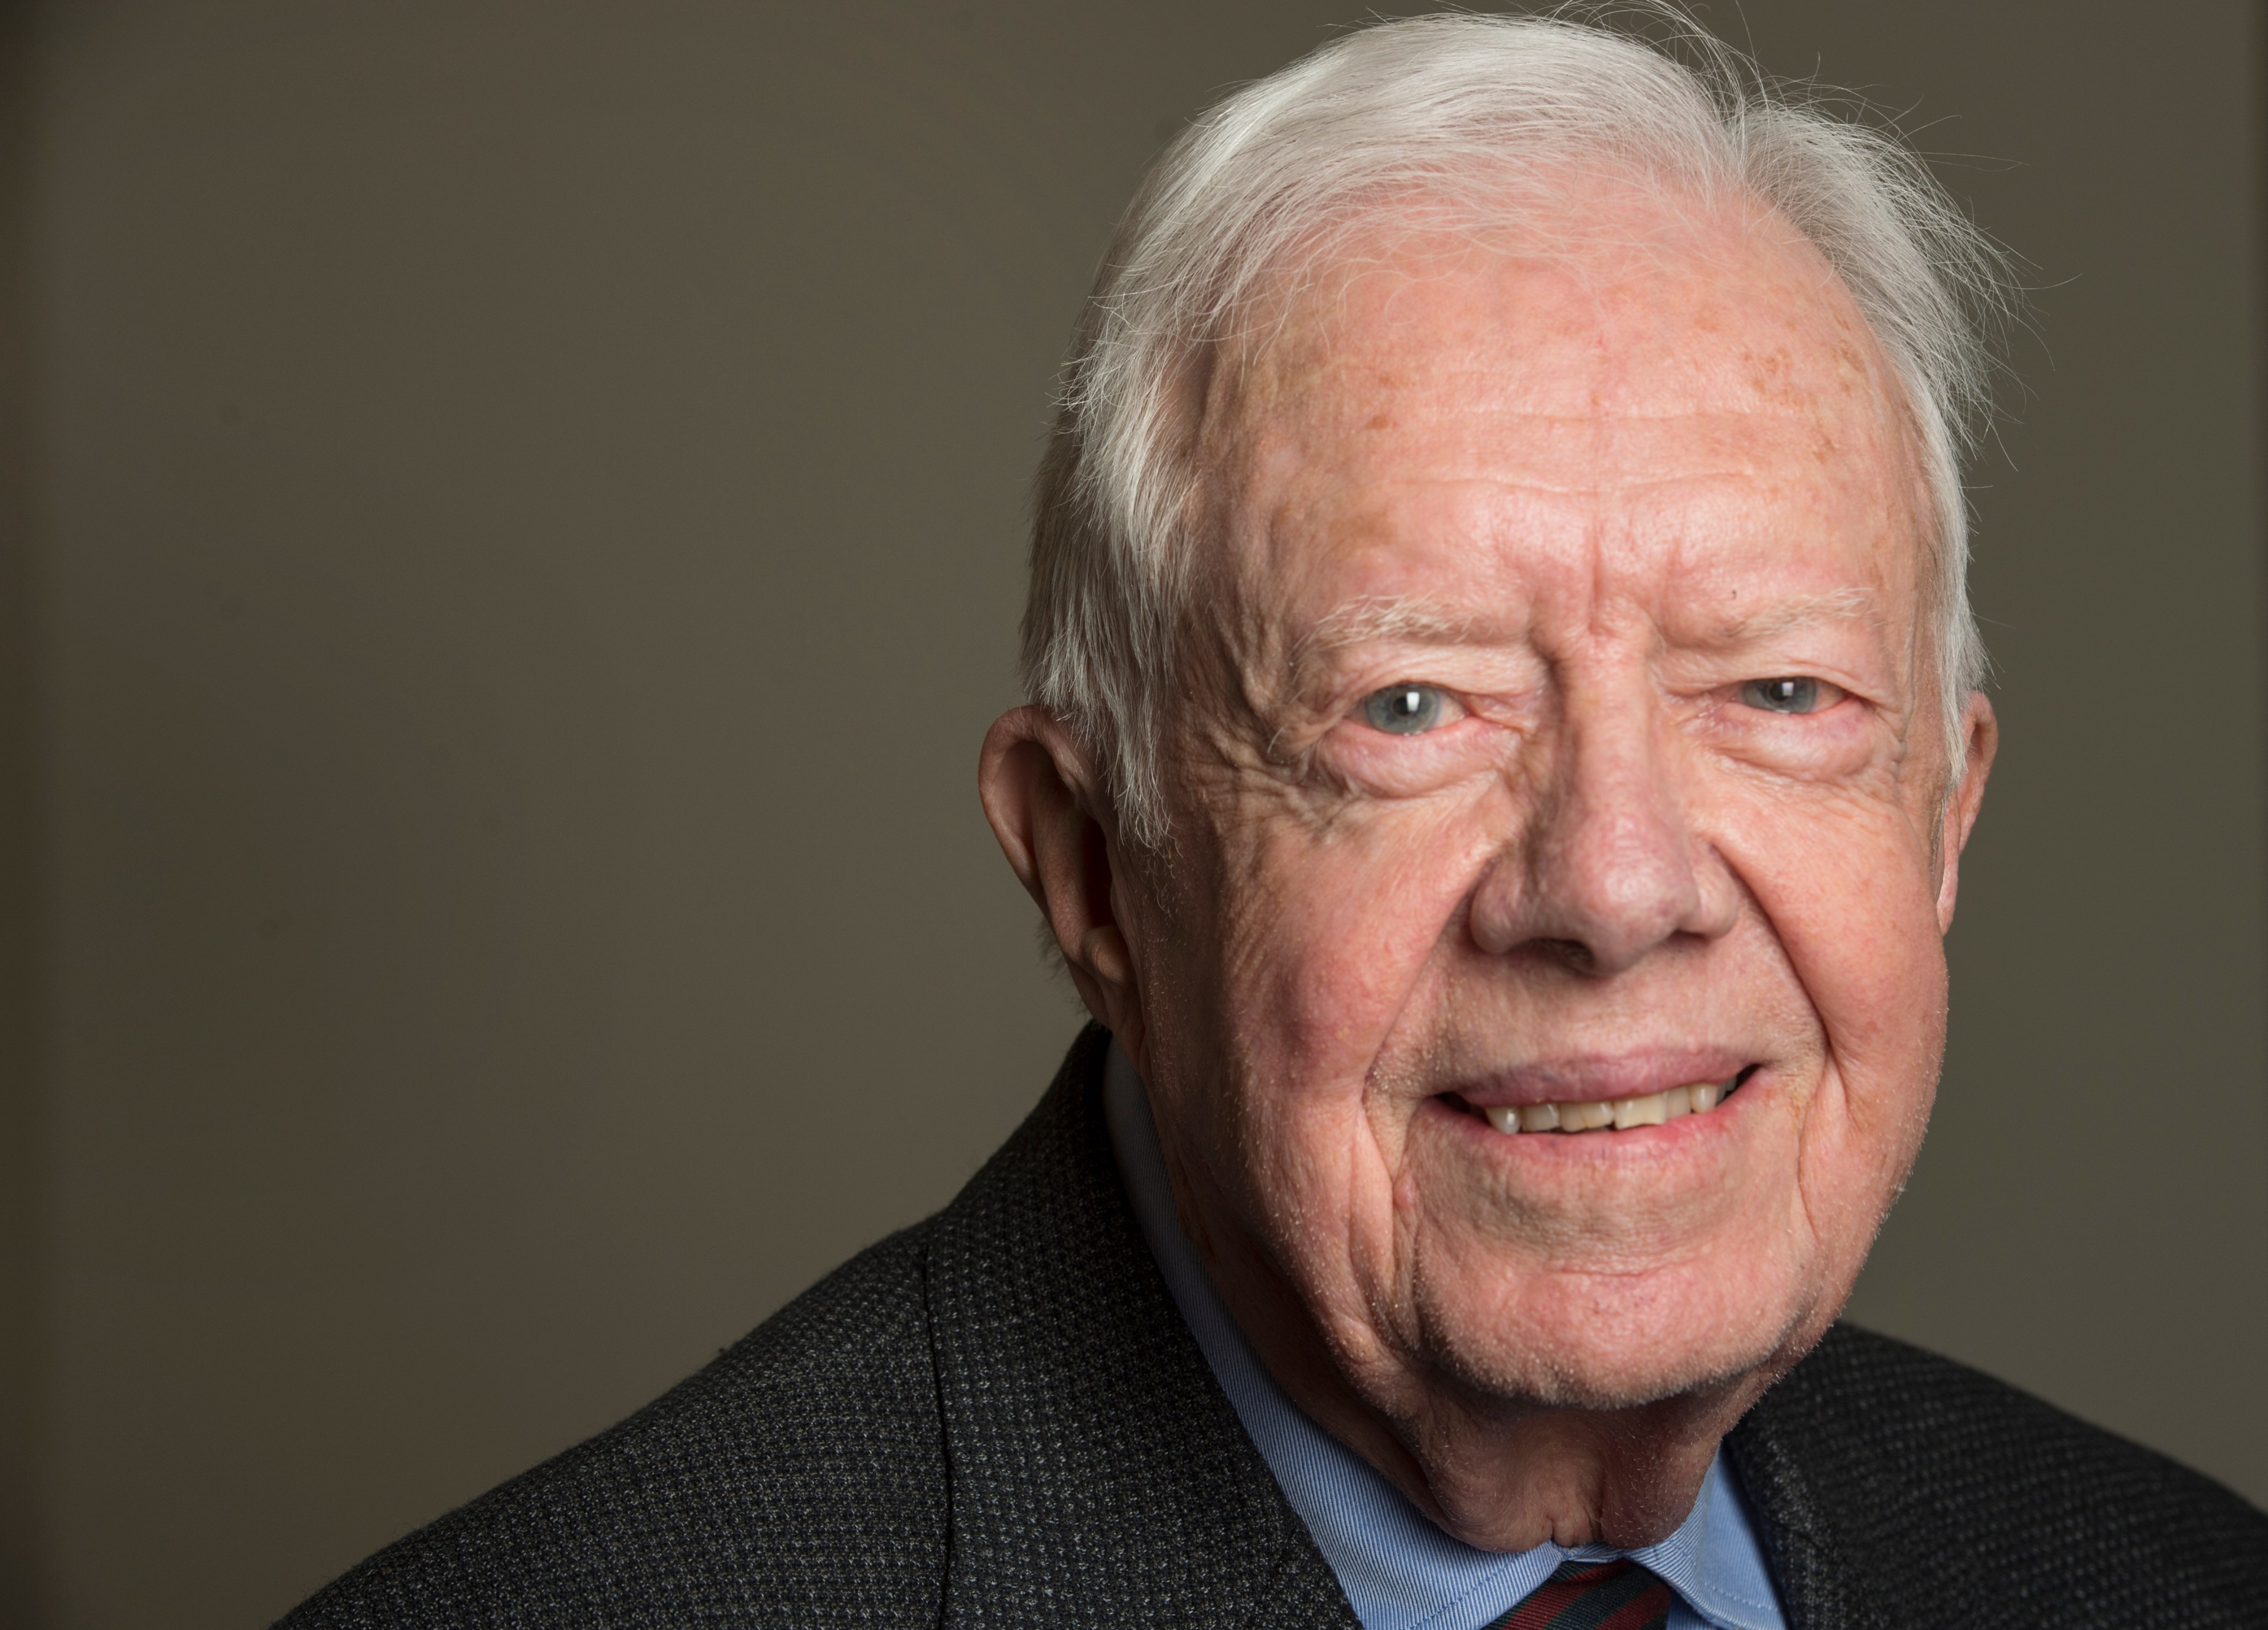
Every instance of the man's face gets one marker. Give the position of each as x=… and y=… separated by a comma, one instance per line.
x=1562, y=732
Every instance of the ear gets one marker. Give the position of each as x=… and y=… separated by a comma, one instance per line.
x=1980, y=741
x=1038, y=791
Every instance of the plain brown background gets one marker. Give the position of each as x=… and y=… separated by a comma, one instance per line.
x=514, y=526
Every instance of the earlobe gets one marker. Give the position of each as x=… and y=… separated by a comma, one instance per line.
x=1038, y=794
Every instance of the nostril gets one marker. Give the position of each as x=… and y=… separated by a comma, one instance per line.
x=1572, y=955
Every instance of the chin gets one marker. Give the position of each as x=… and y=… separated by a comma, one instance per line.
x=1592, y=1342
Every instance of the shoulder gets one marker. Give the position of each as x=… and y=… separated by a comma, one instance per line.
x=798, y=1479
x=1875, y=1463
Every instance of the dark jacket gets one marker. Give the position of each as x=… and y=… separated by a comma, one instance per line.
x=997, y=1417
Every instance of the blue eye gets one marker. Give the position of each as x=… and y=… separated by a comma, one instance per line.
x=1403, y=710
x=1790, y=695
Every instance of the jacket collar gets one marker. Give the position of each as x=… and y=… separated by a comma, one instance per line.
x=1097, y=1473
x=1853, y=1544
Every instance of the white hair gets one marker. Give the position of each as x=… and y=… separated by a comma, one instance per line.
x=1473, y=112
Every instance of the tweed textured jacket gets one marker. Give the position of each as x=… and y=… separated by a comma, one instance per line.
x=998, y=1419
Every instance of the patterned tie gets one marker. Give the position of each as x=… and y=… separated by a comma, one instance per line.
x=1593, y=1595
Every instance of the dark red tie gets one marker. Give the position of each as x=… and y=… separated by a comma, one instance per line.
x=1593, y=1595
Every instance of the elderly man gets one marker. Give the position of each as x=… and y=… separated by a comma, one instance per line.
x=1505, y=724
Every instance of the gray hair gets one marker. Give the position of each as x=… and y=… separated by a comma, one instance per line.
x=1463, y=109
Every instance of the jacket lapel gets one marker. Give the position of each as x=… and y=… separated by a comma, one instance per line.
x=1098, y=1475
x=1852, y=1546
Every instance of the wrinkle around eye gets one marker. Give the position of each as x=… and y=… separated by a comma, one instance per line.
x=1836, y=740
x=1364, y=759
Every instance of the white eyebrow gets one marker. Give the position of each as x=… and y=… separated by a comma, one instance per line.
x=1420, y=621
x=1399, y=616
x=1782, y=616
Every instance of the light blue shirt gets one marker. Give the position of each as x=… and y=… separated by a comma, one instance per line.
x=1398, y=1570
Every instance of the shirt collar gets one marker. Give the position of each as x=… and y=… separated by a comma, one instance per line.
x=1399, y=1570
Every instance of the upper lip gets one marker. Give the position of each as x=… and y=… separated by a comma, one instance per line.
x=1591, y=1077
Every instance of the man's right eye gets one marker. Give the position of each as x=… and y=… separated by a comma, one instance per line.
x=1403, y=710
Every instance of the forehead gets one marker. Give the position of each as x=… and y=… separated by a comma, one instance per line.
x=1685, y=406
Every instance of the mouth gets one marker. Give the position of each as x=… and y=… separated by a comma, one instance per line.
x=1653, y=1109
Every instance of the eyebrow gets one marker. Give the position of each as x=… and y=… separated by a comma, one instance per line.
x=1360, y=622
x=1419, y=621
x=1427, y=622
x=1401, y=618
x=1785, y=616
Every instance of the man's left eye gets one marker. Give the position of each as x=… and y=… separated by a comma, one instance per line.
x=1790, y=694
x=1403, y=710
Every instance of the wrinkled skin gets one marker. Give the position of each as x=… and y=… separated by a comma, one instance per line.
x=1583, y=499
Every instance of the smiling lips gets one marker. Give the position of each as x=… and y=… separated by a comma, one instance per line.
x=1654, y=1108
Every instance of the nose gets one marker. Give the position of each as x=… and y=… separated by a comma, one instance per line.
x=1605, y=868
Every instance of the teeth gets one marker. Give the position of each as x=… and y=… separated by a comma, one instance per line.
x=1654, y=1110
x=1646, y=1111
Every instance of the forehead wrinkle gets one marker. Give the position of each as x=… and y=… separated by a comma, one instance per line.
x=1423, y=619
x=1603, y=487
x=1329, y=400
x=1558, y=454
x=1317, y=373
x=1379, y=391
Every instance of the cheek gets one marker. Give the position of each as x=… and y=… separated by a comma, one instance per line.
x=1340, y=923
x=1850, y=896
x=1857, y=911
